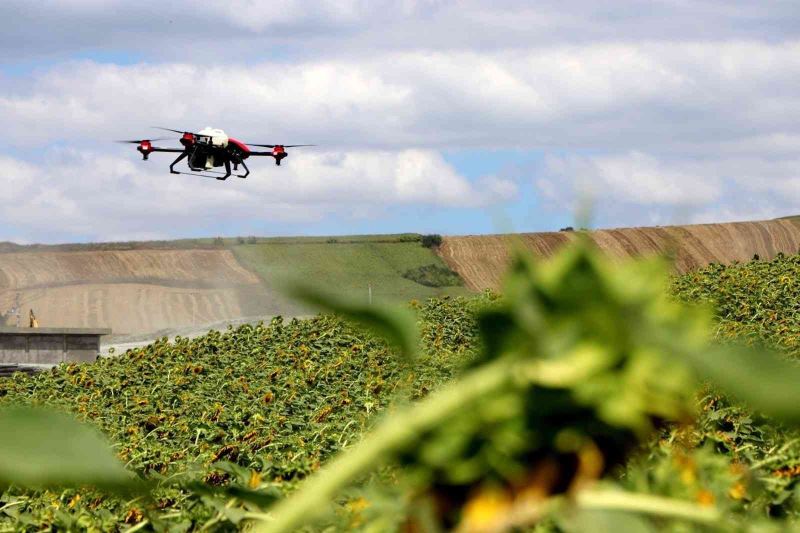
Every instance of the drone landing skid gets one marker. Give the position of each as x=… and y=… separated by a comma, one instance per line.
x=208, y=174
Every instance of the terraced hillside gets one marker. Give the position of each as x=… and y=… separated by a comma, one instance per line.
x=133, y=291
x=142, y=289
x=481, y=259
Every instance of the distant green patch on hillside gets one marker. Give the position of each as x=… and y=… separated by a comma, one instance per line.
x=434, y=276
x=333, y=239
x=349, y=265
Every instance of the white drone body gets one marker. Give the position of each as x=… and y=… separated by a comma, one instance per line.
x=214, y=137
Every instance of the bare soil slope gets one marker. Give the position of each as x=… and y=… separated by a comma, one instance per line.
x=39, y=269
x=482, y=259
x=135, y=291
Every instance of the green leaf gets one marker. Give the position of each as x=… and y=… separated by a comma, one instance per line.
x=261, y=498
x=495, y=326
x=395, y=324
x=40, y=448
x=762, y=379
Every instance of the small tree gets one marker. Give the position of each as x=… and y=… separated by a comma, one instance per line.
x=240, y=240
x=431, y=241
x=251, y=240
x=219, y=241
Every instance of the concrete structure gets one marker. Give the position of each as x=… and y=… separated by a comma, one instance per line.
x=49, y=346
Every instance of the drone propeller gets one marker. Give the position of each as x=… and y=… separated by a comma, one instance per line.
x=274, y=145
x=140, y=141
x=170, y=129
x=181, y=132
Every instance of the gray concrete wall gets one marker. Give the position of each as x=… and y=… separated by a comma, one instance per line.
x=49, y=345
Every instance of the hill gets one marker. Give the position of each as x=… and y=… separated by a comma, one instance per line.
x=131, y=291
x=140, y=290
x=481, y=259
x=350, y=267
x=147, y=288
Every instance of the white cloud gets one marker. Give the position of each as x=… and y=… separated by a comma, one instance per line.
x=634, y=187
x=646, y=97
x=717, y=214
x=634, y=178
x=92, y=195
x=238, y=29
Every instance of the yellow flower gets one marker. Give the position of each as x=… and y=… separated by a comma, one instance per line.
x=738, y=491
x=486, y=512
x=357, y=505
x=75, y=499
x=705, y=498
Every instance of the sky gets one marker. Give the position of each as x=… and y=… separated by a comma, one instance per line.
x=430, y=116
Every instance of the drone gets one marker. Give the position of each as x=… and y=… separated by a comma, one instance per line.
x=210, y=148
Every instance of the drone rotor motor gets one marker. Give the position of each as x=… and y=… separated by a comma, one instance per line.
x=145, y=148
x=279, y=152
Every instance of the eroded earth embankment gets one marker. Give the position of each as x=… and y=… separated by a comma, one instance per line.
x=130, y=291
x=481, y=259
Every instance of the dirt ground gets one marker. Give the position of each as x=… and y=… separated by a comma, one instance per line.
x=34, y=269
x=482, y=259
x=132, y=292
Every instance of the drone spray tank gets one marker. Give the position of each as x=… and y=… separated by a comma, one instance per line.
x=211, y=137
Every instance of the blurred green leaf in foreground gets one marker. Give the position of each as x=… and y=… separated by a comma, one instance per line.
x=582, y=360
x=40, y=448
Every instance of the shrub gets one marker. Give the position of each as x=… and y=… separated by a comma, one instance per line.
x=240, y=240
x=252, y=240
x=219, y=241
x=568, y=228
x=434, y=276
x=433, y=240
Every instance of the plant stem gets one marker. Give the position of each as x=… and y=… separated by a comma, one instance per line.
x=137, y=527
x=617, y=500
x=392, y=434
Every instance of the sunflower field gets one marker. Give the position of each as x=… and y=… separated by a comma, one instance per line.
x=586, y=397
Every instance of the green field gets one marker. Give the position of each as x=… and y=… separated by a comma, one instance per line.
x=224, y=424
x=349, y=266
